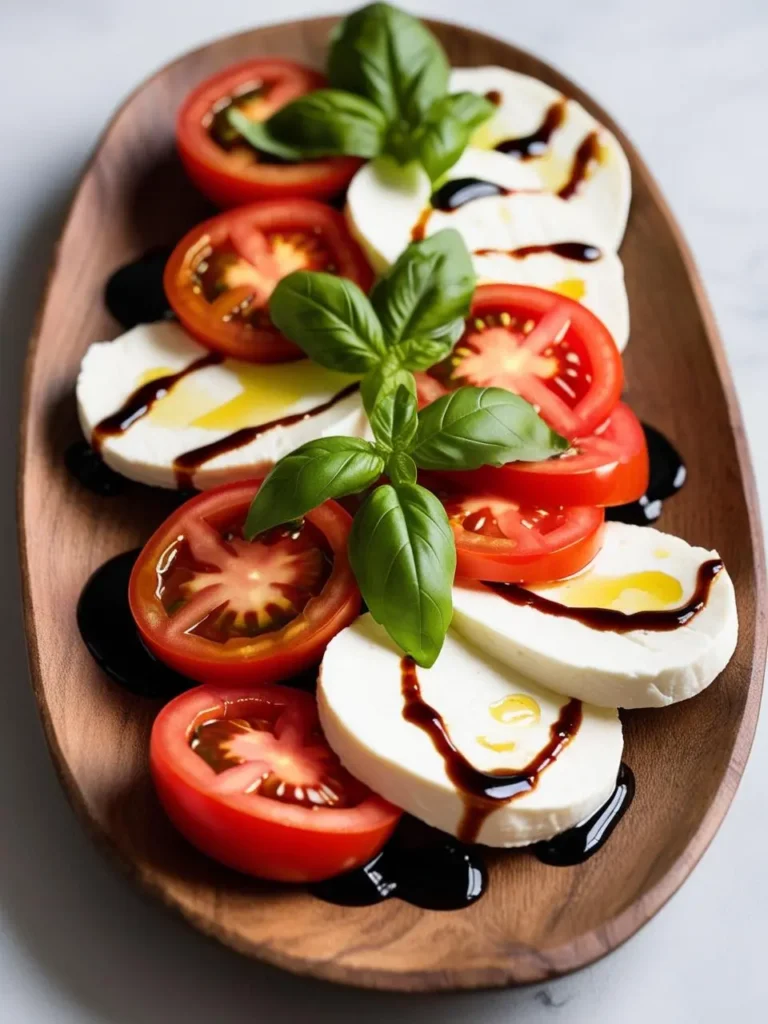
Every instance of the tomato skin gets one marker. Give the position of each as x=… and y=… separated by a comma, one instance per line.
x=218, y=176
x=500, y=539
x=526, y=302
x=263, y=344
x=480, y=563
x=248, y=832
x=272, y=656
x=612, y=468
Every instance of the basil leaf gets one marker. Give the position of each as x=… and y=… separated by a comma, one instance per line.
x=330, y=318
x=330, y=467
x=469, y=108
x=402, y=552
x=391, y=58
x=474, y=427
x=394, y=419
x=401, y=468
x=427, y=289
x=421, y=353
x=329, y=122
x=384, y=378
x=256, y=134
x=439, y=144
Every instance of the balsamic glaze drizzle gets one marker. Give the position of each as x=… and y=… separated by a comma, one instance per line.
x=667, y=476
x=109, y=632
x=581, y=842
x=141, y=401
x=588, y=151
x=483, y=791
x=580, y=252
x=536, y=143
x=610, y=619
x=188, y=463
x=134, y=294
x=457, y=193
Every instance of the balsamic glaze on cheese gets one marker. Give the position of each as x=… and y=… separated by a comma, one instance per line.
x=611, y=620
x=482, y=792
x=537, y=142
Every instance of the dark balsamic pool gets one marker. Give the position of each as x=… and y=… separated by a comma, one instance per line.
x=108, y=631
x=668, y=474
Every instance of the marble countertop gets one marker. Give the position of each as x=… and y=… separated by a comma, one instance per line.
x=688, y=81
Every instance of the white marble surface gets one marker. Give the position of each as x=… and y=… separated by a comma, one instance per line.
x=688, y=80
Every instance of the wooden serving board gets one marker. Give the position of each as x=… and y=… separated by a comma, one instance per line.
x=535, y=921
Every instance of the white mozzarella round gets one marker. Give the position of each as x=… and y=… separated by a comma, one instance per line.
x=484, y=705
x=205, y=406
x=637, y=569
x=385, y=200
x=385, y=203
x=604, y=196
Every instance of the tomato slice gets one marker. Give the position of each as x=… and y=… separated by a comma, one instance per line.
x=543, y=346
x=221, y=274
x=225, y=168
x=500, y=539
x=606, y=468
x=248, y=778
x=216, y=607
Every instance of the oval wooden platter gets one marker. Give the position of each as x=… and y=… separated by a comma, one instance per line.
x=536, y=921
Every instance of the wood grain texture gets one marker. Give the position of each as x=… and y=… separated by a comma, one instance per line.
x=537, y=921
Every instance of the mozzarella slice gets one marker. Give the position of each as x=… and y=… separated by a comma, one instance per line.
x=523, y=102
x=385, y=201
x=637, y=569
x=384, y=205
x=206, y=406
x=495, y=717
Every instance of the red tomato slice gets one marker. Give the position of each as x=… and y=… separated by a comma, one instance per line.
x=221, y=274
x=503, y=540
x=543, y=346
x=216, y=607
x=609, y=467
x=229, y=171
x=248, y=778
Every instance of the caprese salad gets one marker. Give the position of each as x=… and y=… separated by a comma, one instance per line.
x=397, y=590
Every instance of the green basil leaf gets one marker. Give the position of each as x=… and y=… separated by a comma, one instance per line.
x=330, y=318
x=440, y=143
x=474, y=427
x=469, y=108
x=329, y=122
x=444, y=134
x=402, y=552
x=421, y=353
x=401, y=468
x=427, y=289
x=385, y=377
x=394, y=419
x=256, y=134
x=330, y=467
x=391, y=58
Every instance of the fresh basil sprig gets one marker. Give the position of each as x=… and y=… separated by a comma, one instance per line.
x=389, y=80
x=401, y=546
x=412, y=320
